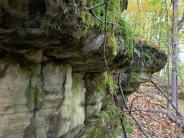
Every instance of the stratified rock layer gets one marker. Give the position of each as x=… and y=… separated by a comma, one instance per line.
x=52, y=57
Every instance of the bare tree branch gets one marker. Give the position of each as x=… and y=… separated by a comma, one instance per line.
x=96, y=6
x=176, y=119
x=128, y=108
x=133, y=102
x=156, y=111
x=164, y=94
x=122, y=124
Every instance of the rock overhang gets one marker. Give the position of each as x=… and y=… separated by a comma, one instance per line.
x=63, y=35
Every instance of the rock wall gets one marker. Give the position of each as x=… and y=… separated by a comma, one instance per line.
x=48, y=104
x=50, y=101
x=53, y=55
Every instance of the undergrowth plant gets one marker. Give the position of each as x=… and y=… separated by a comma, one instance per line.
x=104, y=82
x=110, y=124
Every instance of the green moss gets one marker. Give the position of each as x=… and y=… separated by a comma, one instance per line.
x=128, y=123
x=90, y=21
x=109, y=125
x=126, y=36
x=34, y=97
x=118, y=27
x=134, y=77
x=104, y=82
x=147, y=58
x=108, y=118
x=119, y=35
x=114, y=11
x=100, y=88
x=99, y=84
x=114, y=44
x=30, y=71
x=110, y=82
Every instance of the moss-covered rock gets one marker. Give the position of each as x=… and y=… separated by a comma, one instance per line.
x=146, y=61
x=45, y=43
x=67, y=31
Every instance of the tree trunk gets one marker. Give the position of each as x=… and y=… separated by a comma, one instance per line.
x=175, y=54
x=168, y=54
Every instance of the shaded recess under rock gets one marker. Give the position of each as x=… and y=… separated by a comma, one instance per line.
x=52, y=67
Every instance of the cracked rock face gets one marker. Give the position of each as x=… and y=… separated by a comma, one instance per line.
x=61, y=110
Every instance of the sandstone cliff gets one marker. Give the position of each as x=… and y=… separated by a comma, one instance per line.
x=52, y=64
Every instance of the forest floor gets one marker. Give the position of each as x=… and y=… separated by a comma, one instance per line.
x=181, y=106
x=149, y=108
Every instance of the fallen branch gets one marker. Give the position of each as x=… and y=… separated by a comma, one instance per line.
x=133, y=102
x=128, y=108
x=170, y=115
x=96, y=6
x=122, y=124
x=163, y=93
